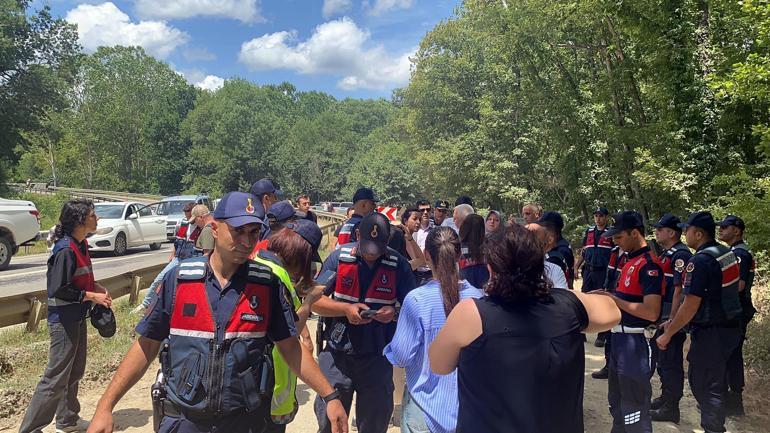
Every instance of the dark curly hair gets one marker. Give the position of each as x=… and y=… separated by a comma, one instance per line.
x=74, y=213
x=516, y=259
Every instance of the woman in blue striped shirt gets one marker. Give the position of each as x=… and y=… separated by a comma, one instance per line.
x=430, y=401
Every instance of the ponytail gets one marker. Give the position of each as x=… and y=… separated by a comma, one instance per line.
x=443, y=246
x=74, y=213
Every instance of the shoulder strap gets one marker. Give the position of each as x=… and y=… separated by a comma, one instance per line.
x=192, y=269
x=741, y=246
x=713, y=251
x=390, y=259
x=259, y=273
x=348, y=254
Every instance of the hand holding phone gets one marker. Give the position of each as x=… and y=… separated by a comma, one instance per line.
x=368, y=314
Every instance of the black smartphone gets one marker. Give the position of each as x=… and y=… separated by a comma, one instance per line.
x=325, y=277
x=368, y=314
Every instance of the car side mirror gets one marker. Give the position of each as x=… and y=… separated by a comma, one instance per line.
x=133, y=216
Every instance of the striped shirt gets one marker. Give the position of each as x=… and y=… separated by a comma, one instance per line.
x=421, y=318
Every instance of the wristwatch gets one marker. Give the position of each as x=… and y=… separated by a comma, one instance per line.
x=335, y=395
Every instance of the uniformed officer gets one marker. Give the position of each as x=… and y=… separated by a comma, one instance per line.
x=555, y=220
x=440, y=212
x=268, y=192
x=670, y=361
x=618, y=259
x=364, y=203
x=712, y=308
x=595, y=253
x=214, y=324
x=552, y=255
x=638, y=295
x=731, y=232
x=370, y=279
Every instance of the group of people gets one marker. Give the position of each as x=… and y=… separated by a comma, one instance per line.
x=447, y=294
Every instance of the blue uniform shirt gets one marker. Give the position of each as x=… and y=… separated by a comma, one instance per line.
x=703, y=275
x=157, y=323
x=370, y=338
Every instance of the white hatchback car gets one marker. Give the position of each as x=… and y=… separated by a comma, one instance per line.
x=123, y=225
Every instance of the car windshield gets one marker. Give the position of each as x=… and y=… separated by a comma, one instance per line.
x=110, y=211
x=171, y=207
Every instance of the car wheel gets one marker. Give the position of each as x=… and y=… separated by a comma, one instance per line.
x=155, y=246
x=6, y=251
x=120, y=245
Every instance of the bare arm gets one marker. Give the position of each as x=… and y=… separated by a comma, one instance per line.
x=462, y=327
x=301, y=362
x=602, y=311
x=676, y=302
x=684, y=315
x=647, y=310
x=138, y=358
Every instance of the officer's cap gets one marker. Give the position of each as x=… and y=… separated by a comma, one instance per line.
x=464, y=199
x=601, y=210
x=364, y=194
x=281, y=211
x=374, y=233
x=703, y=220
x=310, y=232
x=103, y=319
x=732, y=220
x=266, y=186
x=668, y=221
x=442, y=205
x=552, y=219
x=626, y=220
x=239, y=208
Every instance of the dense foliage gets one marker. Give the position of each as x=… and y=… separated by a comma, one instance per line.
x=653, y=105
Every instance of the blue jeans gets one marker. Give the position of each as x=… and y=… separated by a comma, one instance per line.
x=152, y=293
x=412, y=417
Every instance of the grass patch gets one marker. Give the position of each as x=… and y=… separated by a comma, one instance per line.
x=48, y=205
x=23, y=356
x=38, y=247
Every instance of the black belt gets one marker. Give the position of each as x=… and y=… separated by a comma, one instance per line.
x=173, y=410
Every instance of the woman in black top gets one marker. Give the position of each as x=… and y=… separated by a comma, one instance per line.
x=519, y=350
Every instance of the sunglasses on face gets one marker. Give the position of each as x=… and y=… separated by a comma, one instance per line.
x=425, y=210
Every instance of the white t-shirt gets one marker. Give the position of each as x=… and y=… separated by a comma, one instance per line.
x=554, y=273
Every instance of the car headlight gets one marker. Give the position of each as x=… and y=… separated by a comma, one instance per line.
x=104, y=231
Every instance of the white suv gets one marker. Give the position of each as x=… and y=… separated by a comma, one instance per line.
x=19, y=224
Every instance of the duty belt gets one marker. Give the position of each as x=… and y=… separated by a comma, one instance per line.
x=649, y=331
x=172, y=410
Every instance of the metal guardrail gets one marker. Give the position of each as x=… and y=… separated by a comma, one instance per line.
x=92, y=194
x=30, y=308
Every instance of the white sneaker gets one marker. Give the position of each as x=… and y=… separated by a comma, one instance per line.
x=81, y=425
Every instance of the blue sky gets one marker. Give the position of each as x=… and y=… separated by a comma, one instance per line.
x=349, y=48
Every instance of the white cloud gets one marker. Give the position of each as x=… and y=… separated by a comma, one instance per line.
x=382, y=6
x=211, y=82
x=336, y=48
x=336, y=7
x=247, y=11
x=106, y=25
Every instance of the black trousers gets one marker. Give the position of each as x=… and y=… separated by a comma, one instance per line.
x=629, y=390
x=671, y=367
x=735, y=374
x=710, y=348
x=370, y=378
x=593, y=278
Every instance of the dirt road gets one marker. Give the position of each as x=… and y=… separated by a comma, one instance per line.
x=134, y=413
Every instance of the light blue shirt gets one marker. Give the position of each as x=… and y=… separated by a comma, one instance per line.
x=450, y=222
x=421, y=318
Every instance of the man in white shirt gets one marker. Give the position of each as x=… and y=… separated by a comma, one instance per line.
x=426, y=224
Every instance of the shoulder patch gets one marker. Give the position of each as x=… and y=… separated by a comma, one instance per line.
x=679, y=265
x=652, y=273
x=690, y=267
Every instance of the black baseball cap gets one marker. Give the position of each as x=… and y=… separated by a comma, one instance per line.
x=601, y=210
x=732, y=220
x=552, y=219
x=626, y=220
x=281, y=211
x=310, y=232
x=364, y=194
x=702, y=219
x=668, y=221
x=463, y=199
x=103, y=319
x=239, y=208
x=442, y=205
x=266, y=186
x=374, y=233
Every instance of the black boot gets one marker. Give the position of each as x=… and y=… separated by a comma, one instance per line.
x=657, y=403
x=667, y=412
x=604, y=373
